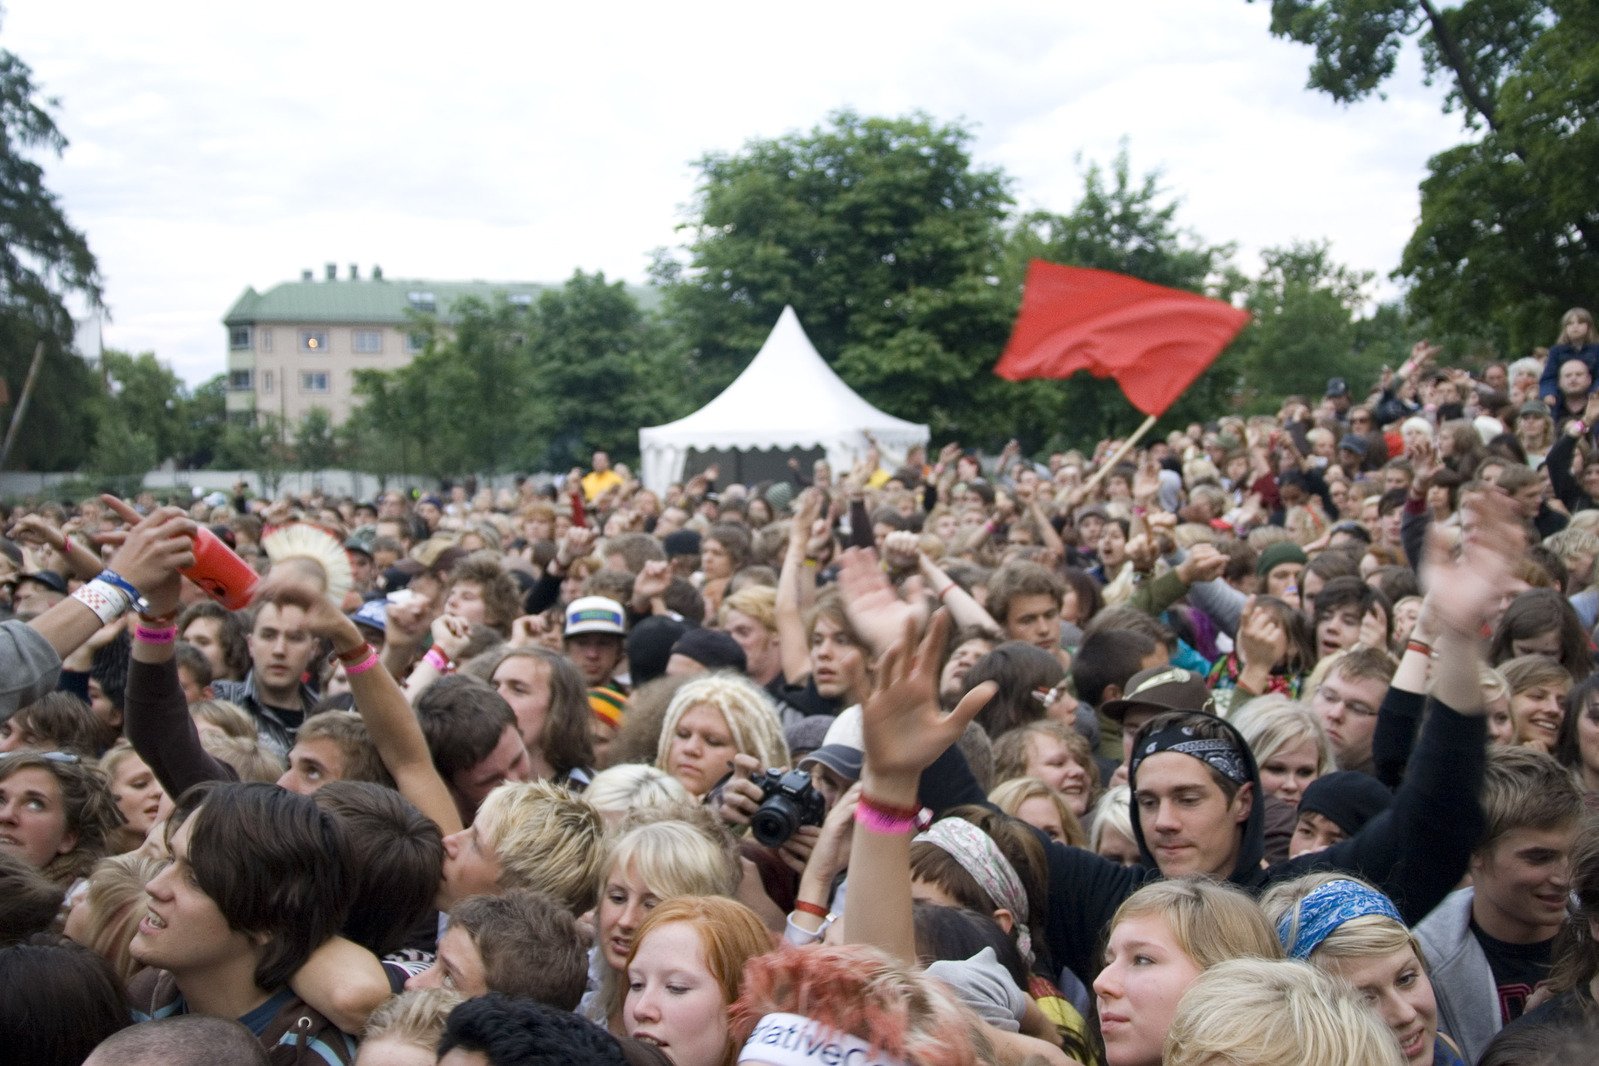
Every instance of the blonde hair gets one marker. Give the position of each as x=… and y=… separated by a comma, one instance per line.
x=1368, y=936
x=229, y=717
x=416, y=1017
x=676, y=857
x=115, y=898
x=115, y=756
x=1113, y=811
x=1210, y=921
x=546, y=839
x=1274, y=722
x=619, y=789
x=757, y=601
x=1009, y=796
x=249, y=758
x=1493, y=684
x=747, y=710
x=1262, y=1012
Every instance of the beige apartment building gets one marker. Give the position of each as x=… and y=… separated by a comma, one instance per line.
x=297, y=345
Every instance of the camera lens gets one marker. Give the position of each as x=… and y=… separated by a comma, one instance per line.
x=775, y=821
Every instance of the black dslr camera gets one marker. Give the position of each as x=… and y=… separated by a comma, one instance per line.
x=788, y=801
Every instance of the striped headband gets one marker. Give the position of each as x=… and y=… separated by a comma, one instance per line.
x=979, y=856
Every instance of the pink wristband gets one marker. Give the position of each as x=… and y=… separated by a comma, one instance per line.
x=438, y=660
x=364, y=665
x=880, y=821
x=163, y=635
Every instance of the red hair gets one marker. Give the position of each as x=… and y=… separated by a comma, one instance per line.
x=862, y=992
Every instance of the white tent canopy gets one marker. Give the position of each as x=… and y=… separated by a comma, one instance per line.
x=787, y=398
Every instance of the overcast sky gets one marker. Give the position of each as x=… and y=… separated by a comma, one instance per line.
x=218, y=145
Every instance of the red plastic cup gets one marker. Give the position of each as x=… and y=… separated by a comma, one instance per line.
x=218, y=570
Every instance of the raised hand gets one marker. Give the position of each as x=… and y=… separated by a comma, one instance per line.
x=901, y=549
x=1262, y=640
x=874, y=609
x=1204, y=563
x=904, y=727
x=153, y=551
x=1464, y=589
x=451, y=634
x=292, y=588
x=652, y=581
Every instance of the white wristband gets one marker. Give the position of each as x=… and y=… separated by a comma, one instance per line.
x=103, y=598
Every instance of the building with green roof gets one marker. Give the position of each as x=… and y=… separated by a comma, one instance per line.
x=297, y=345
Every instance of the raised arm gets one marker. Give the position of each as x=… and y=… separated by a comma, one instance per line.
x=1419, y=848
x=157, y=544
x=378, y=698
x=790, y=597
x=905, y=731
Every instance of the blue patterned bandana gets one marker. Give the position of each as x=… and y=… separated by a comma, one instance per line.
x=1325, y=909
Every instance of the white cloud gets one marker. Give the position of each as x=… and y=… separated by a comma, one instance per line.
x=216, y=147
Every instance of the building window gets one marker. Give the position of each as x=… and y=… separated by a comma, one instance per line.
x=267, y=384
x=313, y=381
x=314, y=340
x=368, y=342
x=416, y=342
x=241, y=380
x=239, y=338
x=264, y=339
x=425, y=302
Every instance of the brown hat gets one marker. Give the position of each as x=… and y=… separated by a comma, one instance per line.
x=1164, y=688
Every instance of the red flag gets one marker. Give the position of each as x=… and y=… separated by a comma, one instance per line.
x=1153, y=340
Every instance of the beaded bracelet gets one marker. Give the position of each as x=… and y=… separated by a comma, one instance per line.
x=155, y=635
x=364, y=665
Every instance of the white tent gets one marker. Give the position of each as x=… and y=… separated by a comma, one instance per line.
x=788, y=399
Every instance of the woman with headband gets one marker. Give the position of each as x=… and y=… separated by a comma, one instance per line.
x=1345, y=927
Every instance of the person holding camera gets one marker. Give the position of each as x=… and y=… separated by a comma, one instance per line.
x=802, y=816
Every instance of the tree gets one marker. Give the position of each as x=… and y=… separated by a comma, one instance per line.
x=1508, y=219
x=602, y=368
x=206, y=414
x=315, y=447
x=883, y=236
x=1307, y=327
x=259, y=445
x=144, y=394
x=43, y=261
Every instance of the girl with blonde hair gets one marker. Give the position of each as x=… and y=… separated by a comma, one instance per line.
x=647, y=865
x=1162, y=938
x=106, y=914
x=1345, y=927
x=1260, y=1012
x=1290, y=745
x=710, y=720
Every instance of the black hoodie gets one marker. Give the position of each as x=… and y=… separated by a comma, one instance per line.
x=1416, y=851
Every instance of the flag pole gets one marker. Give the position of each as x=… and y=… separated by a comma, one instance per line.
x=1125, y=447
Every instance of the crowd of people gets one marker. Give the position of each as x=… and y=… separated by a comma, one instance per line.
x=1275, y=739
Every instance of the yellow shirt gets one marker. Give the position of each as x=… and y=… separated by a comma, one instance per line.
x=596, y=483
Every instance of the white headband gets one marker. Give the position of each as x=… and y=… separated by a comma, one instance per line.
x=795, y=1040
